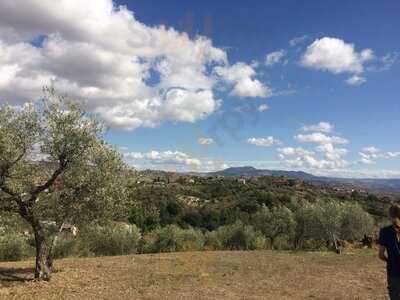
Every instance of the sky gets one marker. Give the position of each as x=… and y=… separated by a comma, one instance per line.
x=206, y=85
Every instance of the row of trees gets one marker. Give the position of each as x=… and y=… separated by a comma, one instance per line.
x=306, y=226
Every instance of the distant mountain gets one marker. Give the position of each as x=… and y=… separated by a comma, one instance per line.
x=251, y=171
x=392, y=185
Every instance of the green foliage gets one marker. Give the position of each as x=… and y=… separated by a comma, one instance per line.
x=237, y=236
x=14, y=247
x=355, y=223
x=274, y=223
x=319, y=222
x=107, y=240
x=67, y=246
x=171, y=238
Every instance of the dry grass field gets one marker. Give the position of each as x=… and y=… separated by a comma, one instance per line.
x=204, y=275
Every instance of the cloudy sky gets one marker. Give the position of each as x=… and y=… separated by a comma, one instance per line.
x=203, y=85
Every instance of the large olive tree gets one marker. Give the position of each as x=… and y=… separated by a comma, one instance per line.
x=55, y=167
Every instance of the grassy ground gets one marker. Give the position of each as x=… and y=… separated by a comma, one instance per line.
x=204, y=275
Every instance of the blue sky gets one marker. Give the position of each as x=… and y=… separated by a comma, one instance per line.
x=302, y=85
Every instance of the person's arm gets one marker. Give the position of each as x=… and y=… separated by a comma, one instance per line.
x=382, y=253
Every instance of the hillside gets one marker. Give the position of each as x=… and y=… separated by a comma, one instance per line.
x=389, y=185
x=204, y=275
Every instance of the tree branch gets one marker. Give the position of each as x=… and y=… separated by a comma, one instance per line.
x=8, y=191
x=61, y=168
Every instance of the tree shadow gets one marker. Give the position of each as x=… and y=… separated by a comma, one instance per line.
x=10, y=275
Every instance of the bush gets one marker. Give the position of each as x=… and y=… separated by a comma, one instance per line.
x=66, y=246
x=108, y=240
x=275, y=224
x=317, y=223
x=237, y=236
x=14, y=247
x=172, y=238
x=355, y=223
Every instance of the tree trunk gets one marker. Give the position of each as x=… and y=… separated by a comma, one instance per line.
x=43, y=258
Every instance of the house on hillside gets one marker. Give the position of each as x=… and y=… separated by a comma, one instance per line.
x=242, y=180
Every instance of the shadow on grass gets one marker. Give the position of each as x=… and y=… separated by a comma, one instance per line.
x=9, y=275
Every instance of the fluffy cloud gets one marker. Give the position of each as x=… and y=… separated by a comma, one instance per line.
x=264, y=142
x=366, y=161
x=172, y=161
x=294, y=151
x=320, y=138
x=205, y=141
x=321, y=127
x=331, y=157
x=371, y=149
x=370, y=154
x=165, y=158
x=333, y=154
x=336, y=56
x=274, y=57
x=241, y=77
x=356, y=80
x=129, y=73
x=263, y=107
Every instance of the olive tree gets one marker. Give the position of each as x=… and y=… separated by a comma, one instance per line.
x=275, y=222
x=55, y=167
x=356, y=222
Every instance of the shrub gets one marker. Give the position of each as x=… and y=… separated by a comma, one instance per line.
x=172, y=238
x=275, y=223
x=319, y=222
x=237, y=236
x=213, y=241
x=108, y=240
x=14, y=247
x=66, y=246
x=355, y=223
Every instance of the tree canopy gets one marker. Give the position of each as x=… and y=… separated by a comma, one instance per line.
x=55, y=167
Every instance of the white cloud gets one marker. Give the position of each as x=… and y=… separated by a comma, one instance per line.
x=172, y=161
x=393, y=154
x=366, y=161
x=336, y=56
x=320, y=138
x=385, y=62
x=294, y=151
x=321, y=127
x=274, y=57
x=370, y=154
x=263, y=107
x=371, y=149
x=297, y=40
x=333, y=154
x=306, y=159
x=162, y=159
x=356, y=80
x=241, y=77
x=129, y=73
x=205, y=141
x=175, y=105
x=264, y=142
x=310, y=162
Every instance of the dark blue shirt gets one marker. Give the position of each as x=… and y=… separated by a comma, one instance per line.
x=388, y=239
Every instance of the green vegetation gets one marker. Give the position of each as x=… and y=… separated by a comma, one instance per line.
x=55, y=168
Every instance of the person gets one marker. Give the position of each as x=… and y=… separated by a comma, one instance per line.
x=389, y=251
